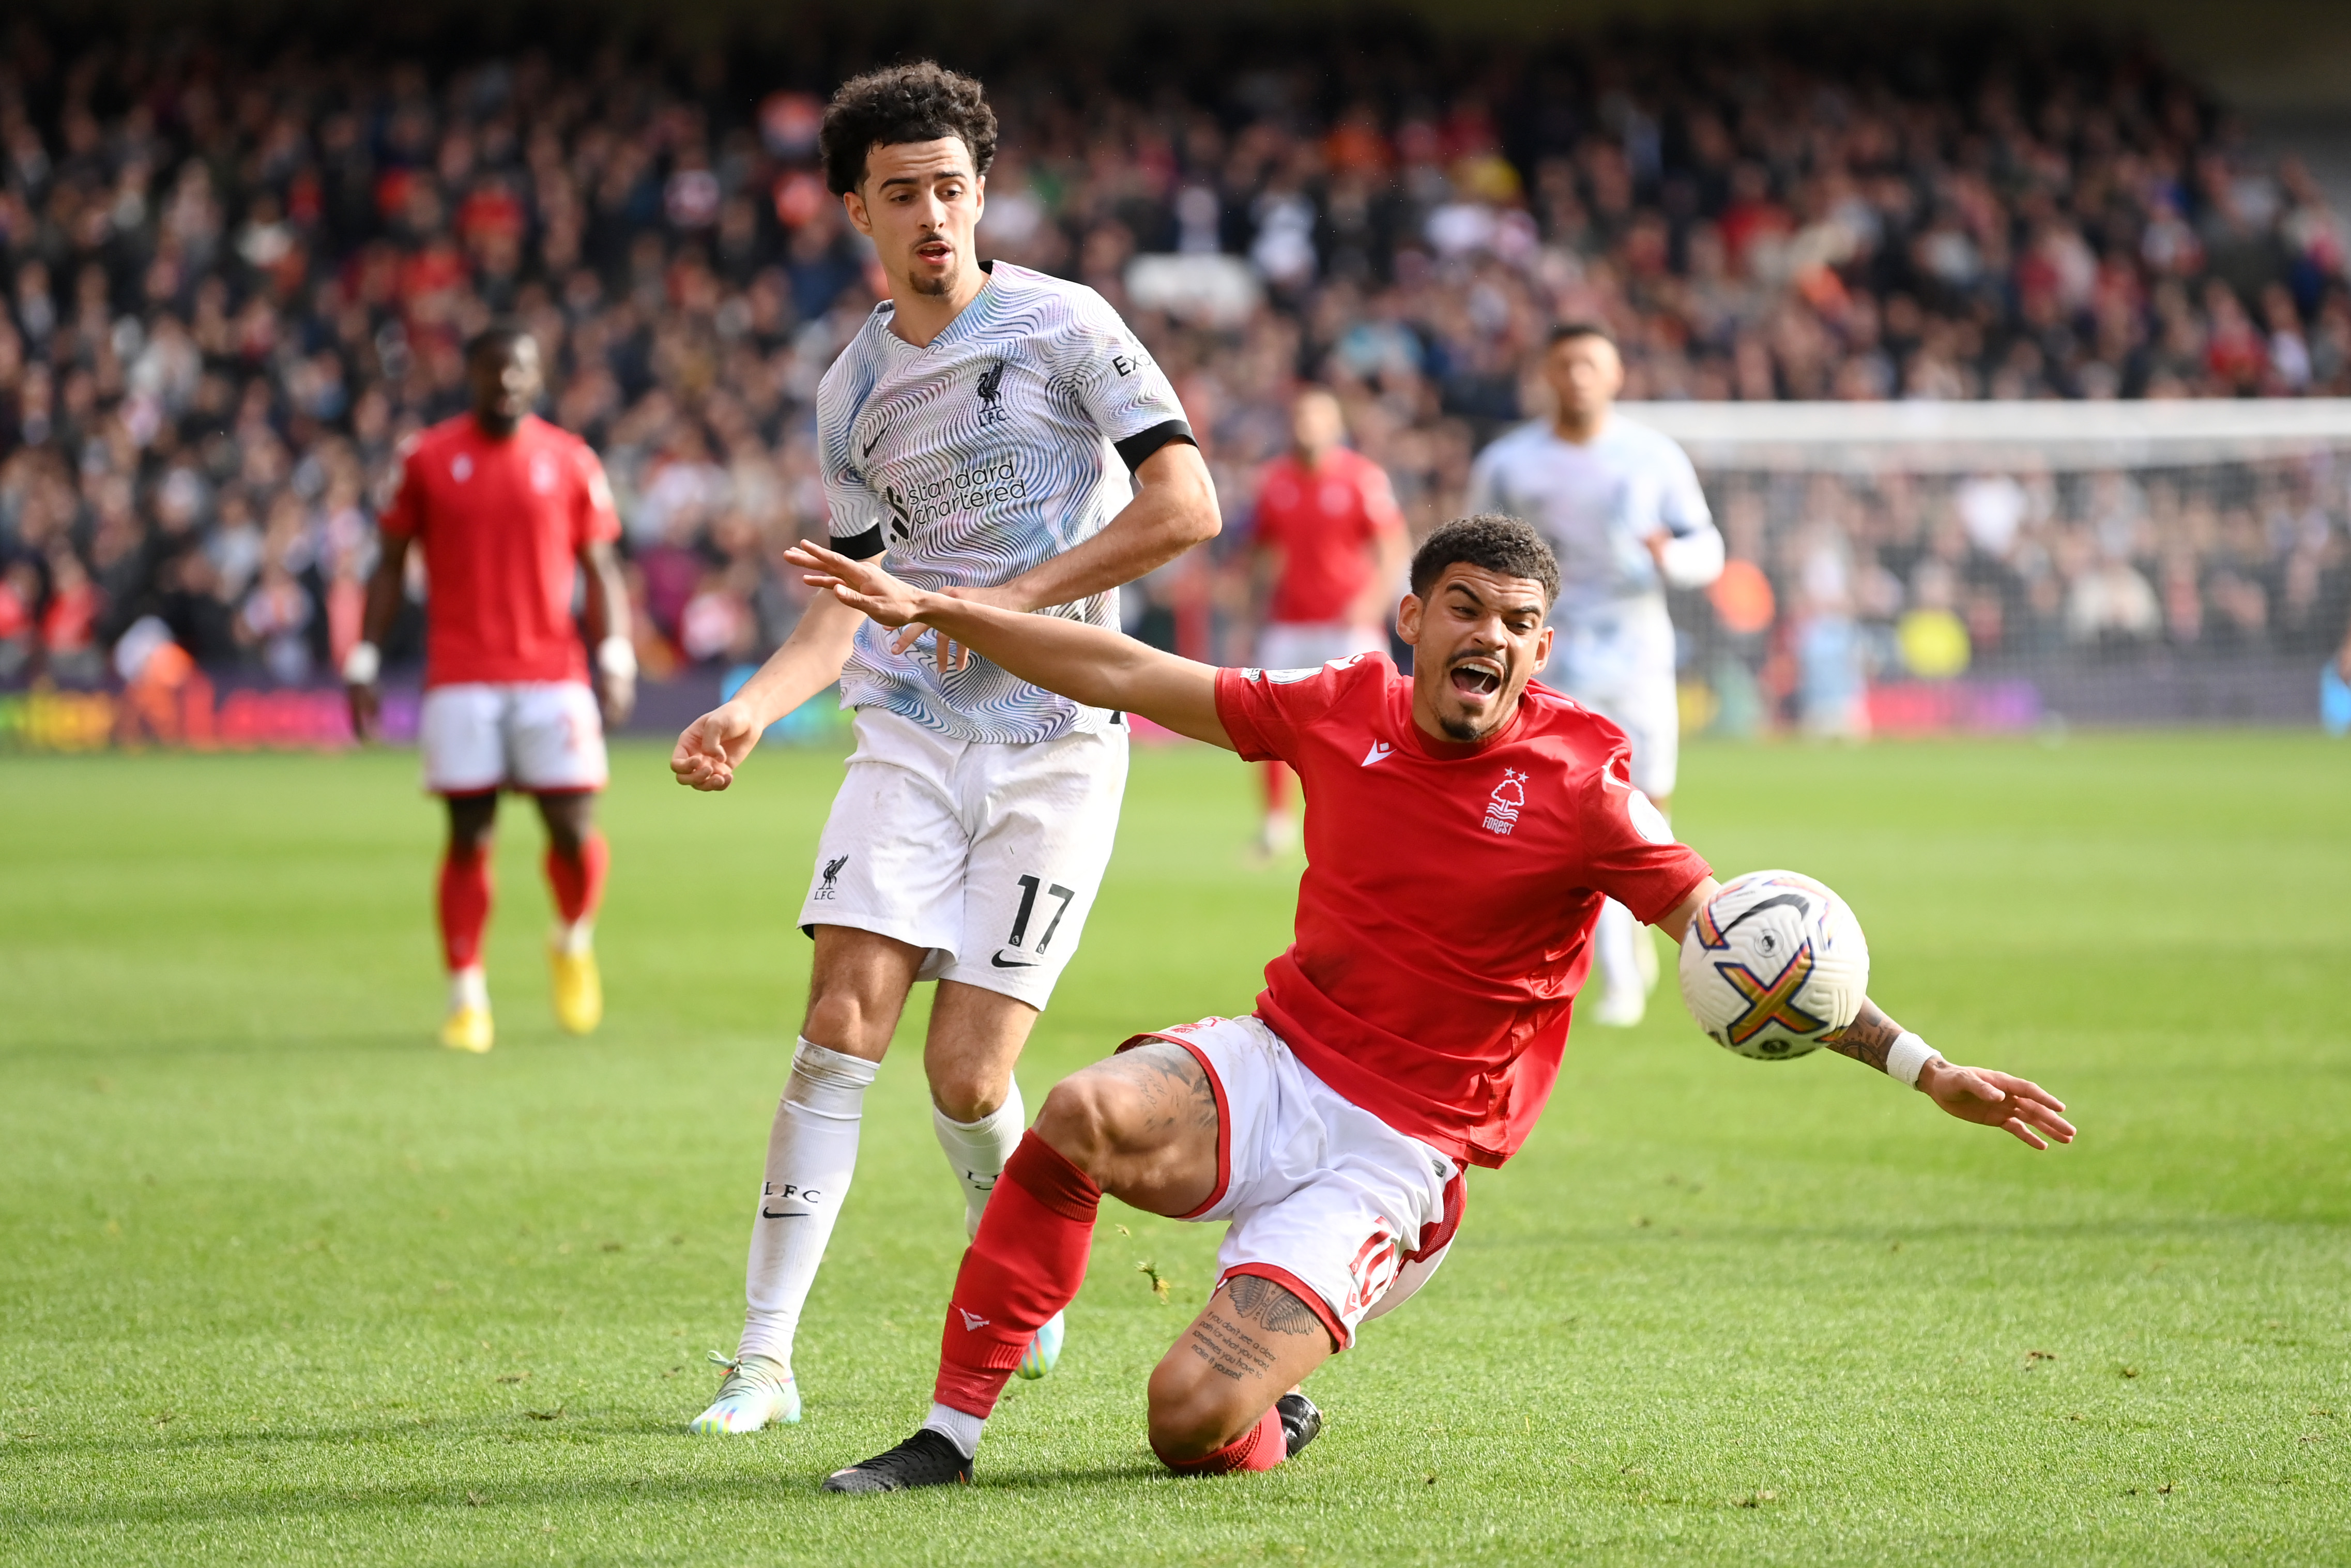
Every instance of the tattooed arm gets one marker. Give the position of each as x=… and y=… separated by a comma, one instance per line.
x=2017, y=1106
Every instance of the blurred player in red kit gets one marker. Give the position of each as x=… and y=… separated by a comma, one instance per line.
x=1330, y=539
x=509, y=511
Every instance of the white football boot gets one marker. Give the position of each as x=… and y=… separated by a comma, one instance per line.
x=756, y=1391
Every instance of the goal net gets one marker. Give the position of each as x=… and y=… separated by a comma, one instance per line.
x=1921, y=567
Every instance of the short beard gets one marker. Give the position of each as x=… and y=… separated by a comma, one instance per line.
x=934, y=286
x=1461, y=729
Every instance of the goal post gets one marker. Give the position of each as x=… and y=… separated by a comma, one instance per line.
x=1991, y=567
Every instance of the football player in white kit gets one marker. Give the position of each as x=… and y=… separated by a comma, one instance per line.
x=1623, y=512
x=978, y=434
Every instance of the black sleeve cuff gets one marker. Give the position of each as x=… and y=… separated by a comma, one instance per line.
x=860, y=547
x=1137, y=449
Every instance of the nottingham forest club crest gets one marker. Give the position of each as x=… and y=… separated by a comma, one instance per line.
x=991, y=387
x=1503, y=806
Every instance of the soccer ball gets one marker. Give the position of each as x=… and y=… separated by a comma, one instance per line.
x=1772, y=963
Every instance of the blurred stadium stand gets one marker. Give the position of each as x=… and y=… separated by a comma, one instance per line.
x=239, y=249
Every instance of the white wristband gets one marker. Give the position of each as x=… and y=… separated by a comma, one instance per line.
x=362, y=664
x=617, y=658
x=1907, y=1057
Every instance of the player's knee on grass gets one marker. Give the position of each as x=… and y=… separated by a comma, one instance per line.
x=1196, y=1410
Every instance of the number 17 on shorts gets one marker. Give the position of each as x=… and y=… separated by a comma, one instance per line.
x=1011, y=956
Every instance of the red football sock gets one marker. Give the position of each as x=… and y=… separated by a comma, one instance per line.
x=1260, y=1448
x=464, y=906
x=1026, y=1265
x=579, y=883
x=1276, y=778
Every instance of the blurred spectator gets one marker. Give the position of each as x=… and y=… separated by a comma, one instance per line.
x=233, y=283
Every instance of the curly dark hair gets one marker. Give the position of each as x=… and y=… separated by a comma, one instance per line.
x=1491, y=540
x=921, y=102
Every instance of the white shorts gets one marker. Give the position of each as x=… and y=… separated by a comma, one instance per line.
x=1618, y=661
x=988, y=854
x=1328, y=1201
x=541, y=736
x=1303, y=646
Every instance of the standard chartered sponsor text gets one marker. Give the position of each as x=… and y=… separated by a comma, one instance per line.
x=983, y=484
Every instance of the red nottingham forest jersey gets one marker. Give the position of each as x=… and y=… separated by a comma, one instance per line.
x=1445, y=919
x=1323, y=520
x=502, y=524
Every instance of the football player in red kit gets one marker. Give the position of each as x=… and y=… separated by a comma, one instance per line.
x=509, y=511
x=1329, y=536
x=1464, y=827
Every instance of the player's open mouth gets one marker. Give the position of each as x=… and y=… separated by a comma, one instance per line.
x=1477, y=677
x=935, y=250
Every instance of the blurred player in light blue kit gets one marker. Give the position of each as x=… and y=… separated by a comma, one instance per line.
x=1621, y=508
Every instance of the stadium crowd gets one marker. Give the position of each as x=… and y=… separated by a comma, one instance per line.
x=234, y=284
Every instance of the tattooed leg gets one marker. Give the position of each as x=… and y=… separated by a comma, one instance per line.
x=1254, y=1342
x=1141, y=1124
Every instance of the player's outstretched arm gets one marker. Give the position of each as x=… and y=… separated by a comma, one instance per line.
x=1089, y=665
x=2016, y=1105
x=715, y=745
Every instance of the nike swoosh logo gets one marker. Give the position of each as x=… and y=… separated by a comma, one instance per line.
x=876, y=441
x=1002, y=963
x=1380, y=749
x=771, y=1214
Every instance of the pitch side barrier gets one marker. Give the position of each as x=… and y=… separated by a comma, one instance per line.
x=2002, y=567
x=200, y=711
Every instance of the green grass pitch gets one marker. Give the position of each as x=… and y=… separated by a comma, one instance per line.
x=280, y=1281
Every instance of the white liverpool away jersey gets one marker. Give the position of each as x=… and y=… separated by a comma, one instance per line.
x=1596, y=503
x=1004, y=443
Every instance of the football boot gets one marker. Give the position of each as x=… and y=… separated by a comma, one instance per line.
x=756, y=1391
x=927, y=1458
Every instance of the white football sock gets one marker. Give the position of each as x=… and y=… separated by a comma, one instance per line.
x=811, y=1154
x=977, y=1151
x=468, y=987
x=956, y=1427
x=577, y=936
x=1612, y=952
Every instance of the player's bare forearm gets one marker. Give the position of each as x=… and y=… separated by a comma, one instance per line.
x=810, y=660
x=604, y=609
x=604, y=618
x=1868, y=1038
x=2018, y=1106
x=713, y=746
x=384, y=588
x=1089, y=665
x=1173, y=509
x=376, y=616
